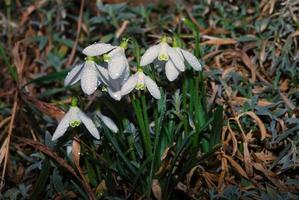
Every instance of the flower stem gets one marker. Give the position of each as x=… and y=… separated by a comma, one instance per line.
x=146, y=123
x=144, y=133
x=185, y=86
x=74, y=102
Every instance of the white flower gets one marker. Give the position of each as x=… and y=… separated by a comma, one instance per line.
x=140, y=81
x=117, y=64
x=113, y=55
x=189, y=58
x=73, y=118
x=98, y=49
x=87, y=73
x=107, y=121
x=113, y=86
x=163, y=52
x=171, y=69
x=173, y=56
x=117, y=60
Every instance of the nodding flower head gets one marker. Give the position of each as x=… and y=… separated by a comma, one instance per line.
x=117, y=60
x=189, y=58
x=140, y=81
x=162, y=52
x=73, y=118
x=174, y=67
x=87, y=74
x=172, y=58
x=113, y=86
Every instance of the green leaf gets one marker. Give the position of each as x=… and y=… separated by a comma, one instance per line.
x=49, y=78
x=67, y=42
x=40, y=184
x=119, y=151
x=91, y=173
x=81, y=192
x=41, y=40
x=217, y=124
x=11, y=68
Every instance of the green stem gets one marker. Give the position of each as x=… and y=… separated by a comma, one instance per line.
x=155, y=160
x=199, y=112
x=131, y=145
x=144, y=133
x=185, y=120
x=203, y=109
x=144, y=109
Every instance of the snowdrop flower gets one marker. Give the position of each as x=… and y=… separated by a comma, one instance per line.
x=172, y=71
x=173, y=56
x=73, y=118
x=113, y=86
x=87, y=73
x=163, y=52
x=117, y=60
x=187, y=56
x=113, y=55
x=140, y=81
x=108, y=122
x=98, y=49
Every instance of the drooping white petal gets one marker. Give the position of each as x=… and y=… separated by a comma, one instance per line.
x=73, y=76
x=108, y=122
x=89, y=125
x=129, y=85
x=89, y=78
x=97, y=49
x=170, y=70
x=152, y=87
x=192, y=60
x=116, y=66
x=62, y=126
x=114, y=94
x=126, y=73
x=117, y=50
x=176, y=59
x=179, y=52
x=150, y=55
x=115, y=84
x=103, y=74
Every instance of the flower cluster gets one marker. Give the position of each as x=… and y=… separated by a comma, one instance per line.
x=113, y=75
x=172, y=57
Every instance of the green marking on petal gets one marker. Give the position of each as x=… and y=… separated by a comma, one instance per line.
x=104, y=88
x=74, y=123
x=106, y=57
x=140, y=86
x=163, y=57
